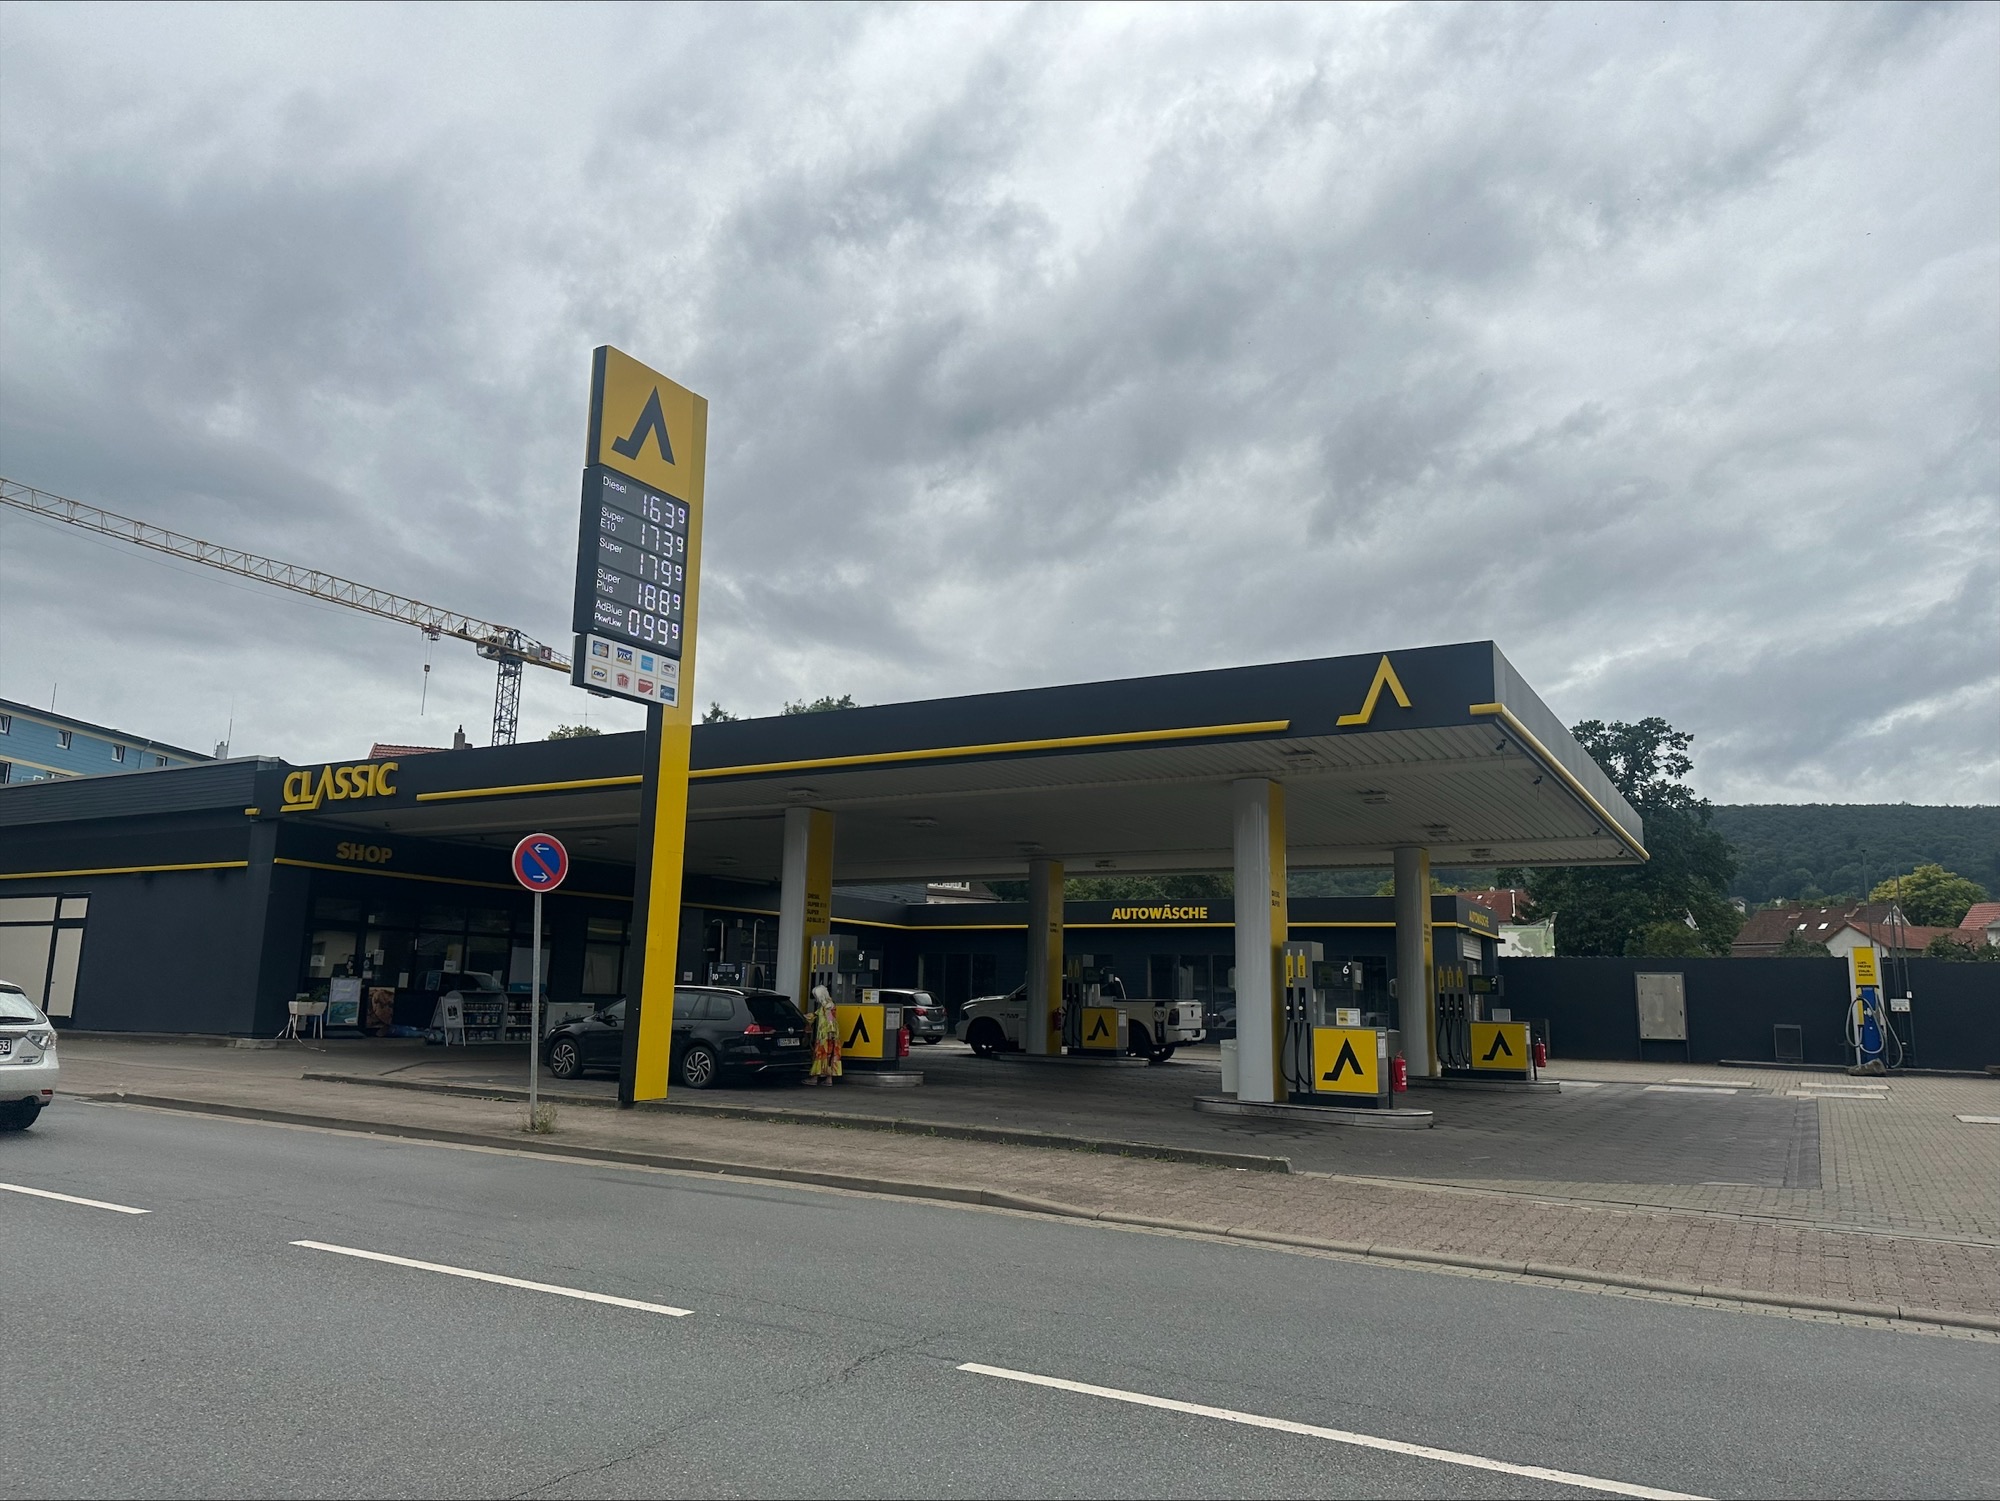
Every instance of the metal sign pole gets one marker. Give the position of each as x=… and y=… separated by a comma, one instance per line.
x=535, y=1015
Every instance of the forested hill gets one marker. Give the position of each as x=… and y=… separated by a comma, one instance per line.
x=1808, y=850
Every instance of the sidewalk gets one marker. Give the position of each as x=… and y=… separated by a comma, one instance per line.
x=1900, y=1229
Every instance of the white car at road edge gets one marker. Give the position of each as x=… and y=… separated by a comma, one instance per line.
x=28, y=1067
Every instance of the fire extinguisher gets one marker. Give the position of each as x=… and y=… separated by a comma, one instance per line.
x=903, y=1042
x=1541, y=1054
x=1399, y=1074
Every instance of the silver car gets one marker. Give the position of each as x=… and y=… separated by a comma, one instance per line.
x=27, y=1059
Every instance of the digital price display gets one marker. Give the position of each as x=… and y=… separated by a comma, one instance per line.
x=631, y=576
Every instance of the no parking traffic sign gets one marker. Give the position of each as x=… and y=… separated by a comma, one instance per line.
x=540, y=862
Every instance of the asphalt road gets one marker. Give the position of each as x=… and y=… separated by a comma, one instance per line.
x=196, y=1350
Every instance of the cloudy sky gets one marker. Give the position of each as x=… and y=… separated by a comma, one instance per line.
x=1661, y=345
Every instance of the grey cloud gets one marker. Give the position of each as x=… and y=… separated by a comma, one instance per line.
x=1043, y=345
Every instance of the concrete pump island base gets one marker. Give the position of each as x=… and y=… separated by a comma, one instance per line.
x=207, y=898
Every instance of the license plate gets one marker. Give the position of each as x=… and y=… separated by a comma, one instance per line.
x=6, y=1046
x=788, y=1042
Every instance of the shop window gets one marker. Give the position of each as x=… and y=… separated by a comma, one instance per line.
x=336, y=909
x=390, y=957
x=331, y=952
x=603, y=968
x=118, y=754
x=41, y=950
x=6, y=772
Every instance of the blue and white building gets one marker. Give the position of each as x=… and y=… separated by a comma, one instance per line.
x=37, y=744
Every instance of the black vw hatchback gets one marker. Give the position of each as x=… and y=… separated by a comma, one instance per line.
x=718, y=1033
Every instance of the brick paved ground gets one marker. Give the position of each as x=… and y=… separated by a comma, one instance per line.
x=1902, y=1162
x=1906, y=1167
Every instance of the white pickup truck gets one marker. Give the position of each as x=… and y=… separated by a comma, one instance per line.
x=993, y=1024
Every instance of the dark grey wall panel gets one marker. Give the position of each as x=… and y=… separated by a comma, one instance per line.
x=161, y=953
x=1591, y=1007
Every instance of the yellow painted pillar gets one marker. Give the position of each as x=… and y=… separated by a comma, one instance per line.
x=805, y=896
x=1041, y=1032
x=1416, y=962
x=1262, y=926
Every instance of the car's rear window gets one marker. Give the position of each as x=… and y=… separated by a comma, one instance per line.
x=774, y=1011
x=16, y=1007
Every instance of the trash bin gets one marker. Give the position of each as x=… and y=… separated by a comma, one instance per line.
x=1229, y=1065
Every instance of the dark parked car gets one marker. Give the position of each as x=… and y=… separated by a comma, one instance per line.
x=922, y=1015
x=718, y=1033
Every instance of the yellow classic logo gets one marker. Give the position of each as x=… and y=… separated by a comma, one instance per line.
x=1159, y=914
x=306, y=790
x=1385, y=677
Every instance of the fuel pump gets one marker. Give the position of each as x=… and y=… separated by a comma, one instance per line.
x=1093, y=1020
x=1455, y=1015
x=1870, y=1034
x=1329, y=1058
x=1303, y=1012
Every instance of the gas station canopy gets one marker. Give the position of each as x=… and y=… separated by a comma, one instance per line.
x=1442, y=747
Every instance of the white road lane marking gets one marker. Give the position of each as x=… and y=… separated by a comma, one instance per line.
x=1828, y=1094
x=1981, y=1120
x=1333, y=1435
x=533, y=1287
x=1689, y=1089
x=44, y=1193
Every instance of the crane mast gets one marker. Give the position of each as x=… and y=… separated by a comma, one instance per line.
x=506, y=646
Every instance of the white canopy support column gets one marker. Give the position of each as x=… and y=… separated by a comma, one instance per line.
x=1040, y=1033
x=1261, y=931
x=1415, y=1011
x=805, y=896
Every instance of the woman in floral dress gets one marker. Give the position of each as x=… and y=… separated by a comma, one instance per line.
x=825, y=1038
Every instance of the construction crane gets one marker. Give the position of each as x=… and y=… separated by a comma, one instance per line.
x=503, y=645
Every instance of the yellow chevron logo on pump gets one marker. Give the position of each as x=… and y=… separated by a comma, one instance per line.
x=1385, y=676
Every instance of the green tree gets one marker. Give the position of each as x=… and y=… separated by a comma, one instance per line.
x=822, y=704
x=1439, y=887
x=1798, y=946
x=1197, y=886
x=1976, y=951
x=574, y=732
x=1931, y=896
x=1668, y=939
x=1621, y=910
x=717, y=714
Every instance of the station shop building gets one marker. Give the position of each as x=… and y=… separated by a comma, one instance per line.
x=203, y=898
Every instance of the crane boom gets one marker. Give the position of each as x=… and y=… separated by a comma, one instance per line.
x=503, y=644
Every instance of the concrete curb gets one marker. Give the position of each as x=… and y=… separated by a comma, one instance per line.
x=1000, y=1135
x=1021, y=1203
x=1399, y=1118
x=1489, y=1086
